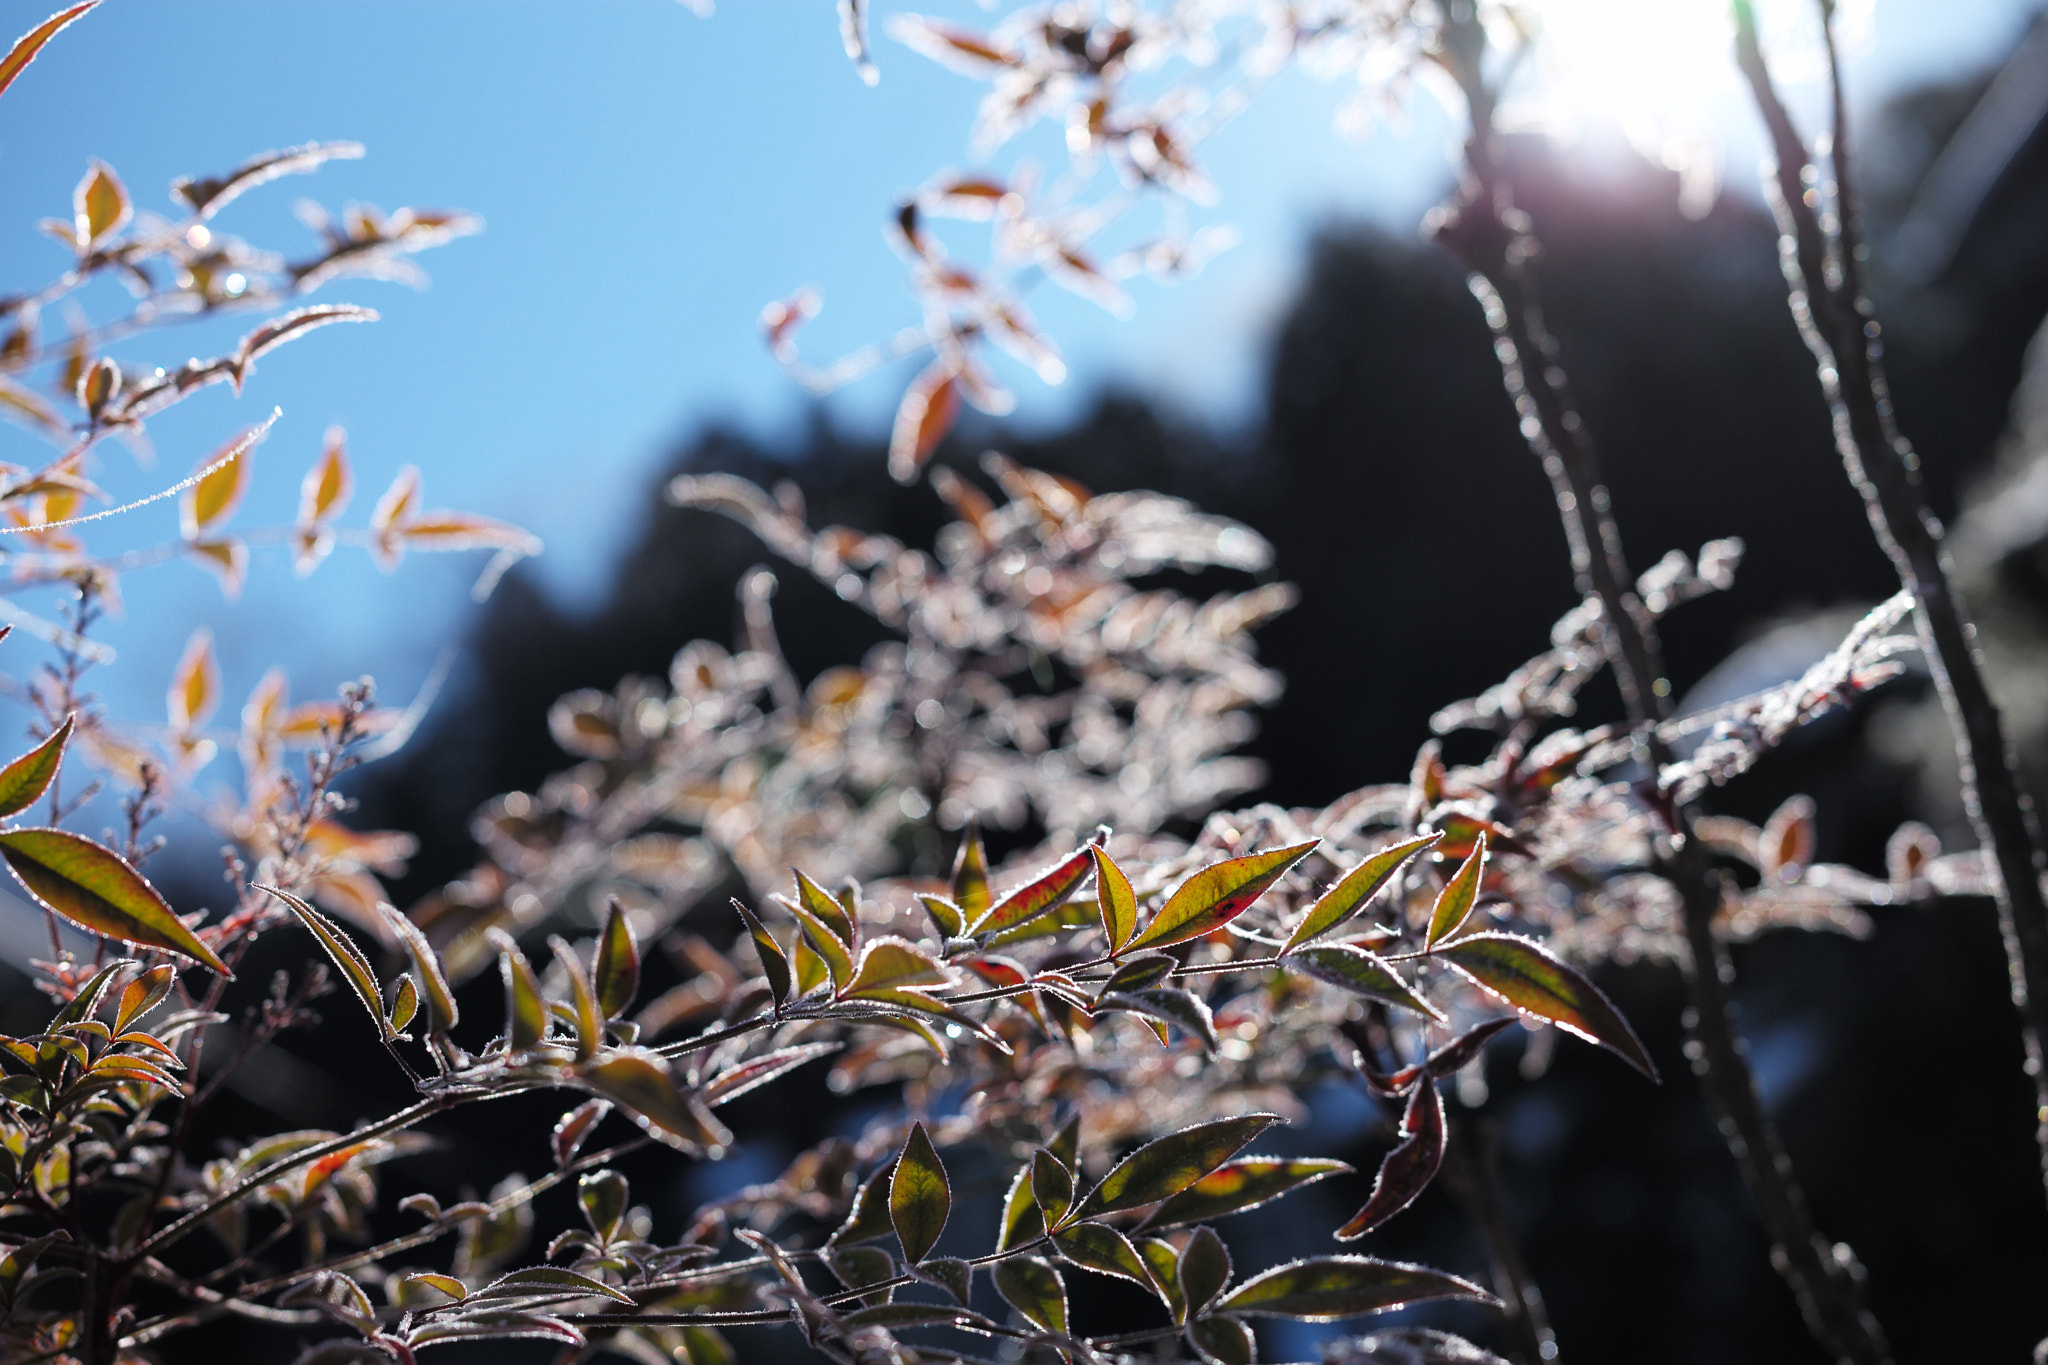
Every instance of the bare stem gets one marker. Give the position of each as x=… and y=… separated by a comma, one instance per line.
x=1822, y=260
x=1497, y=244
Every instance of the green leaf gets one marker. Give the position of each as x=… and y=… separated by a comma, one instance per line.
x=823, y=939
x=1044, y=892
x=1204, y=1269
x=1363, y=973
x=1022, y=1221
x=1242, y=1184
x=1052, y=1185
x=405, y=1003
x=1326, y=1288
x=774, y=966
x=1222, y=1341
x=1217, y=895
x=552, y=1282
x=342, y=951
x=526, y=1009
x=1114, y=899
x=617, y=969
x=919, y=1196
x=1409, y=1168
x=1139, y=971
x=582, y=1000
x=1163, y=1168
x=1533, y=981
x=1101, y=1248
x=23, y=782
x=970, y=873
x=827, y=910
x=858, y=1267
x=951, y=1274
x=1183, y=1009
x=446, y=1285
x=602, y=1196
x=1354, y=890
x=1034, y=1288
x=1454, y=903
x=949, y=919
x=426, y=963
x=95, y=888
x=145, y=993
x=641, y=1083
x=808, y=968
x=893, y=964
x=1163, y=1262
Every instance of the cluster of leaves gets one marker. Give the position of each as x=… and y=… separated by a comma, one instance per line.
x=1031, y=678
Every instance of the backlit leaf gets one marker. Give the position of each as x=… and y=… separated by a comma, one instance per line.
x=1034, y=1288
x=573, y=1127
x=641, y=1083
x=1216, y=895
x=947, y=917
x=1363, y=973
x=1222, y=1341
x=1455, y=1055
x=602, y=1196
x=1141, y=970
x=1787, y=845
x=326, y=488
x=739, y=1078
x=30, y=43
x=828, y=910
x=1022, y=1220
x=23, y=782
x=526, y=1009
x=1204, y=1269
x=195, y=683
x=1409, y=1168
x=342, y=951
x=1235, y=1186
x=825, y=945
x=919, y=1196
x=1454, y=903
x=869, y=1216
x=550, y=1281
x=405, y=1002
x=1529, y=978
x=617, y=969
x=210, y=502
x=1166, y=1166
x=142, y=995
x=1114, y=900
x=889, y=964
x=278, y=330
x=95, y=888
x=1042, y=893
x=970, y=874
x=206, y=197
x=99, y=207
x=929, y=408
x=1169, y=1005
x=1098, y=1247
x=426, y=963
x=388, y=519
x=1162, y=1259
x=583, y=1010
x=1354, y=889
x=1052, y=1185
x=774, y=965
x=1326, y=1288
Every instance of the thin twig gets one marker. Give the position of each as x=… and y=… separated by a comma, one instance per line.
x=1823, y=268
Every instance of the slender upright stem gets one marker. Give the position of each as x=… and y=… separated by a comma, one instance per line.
x=1472, y=1168
x=1822, y=257
x=1496, y=242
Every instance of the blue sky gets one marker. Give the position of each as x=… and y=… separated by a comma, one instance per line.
x=649, y=180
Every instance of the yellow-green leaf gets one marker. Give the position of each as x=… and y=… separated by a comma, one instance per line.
x=890, y=964
x=824, y=938
x=1021, y=1221
x=641, y=1083
x=1217, y=895
x=405, y=1003
x=949, y=919
x=970, y=874
x=1354, y=890
x=828, y=910
x=1166, y=1166
x=774, y=966
x=95, y=888
x=340, y=949
x=1326, y=1288
x=1101, y=1248
x=1354, y=969
x=526, y=1009
x=23, y=782
x=426, y=964
x=1242, y=1184
x=582, y=1000
x=142, y=995
x=616, y=972
x=1052, y=1185
x=99, y=207
x=1454, y=903
x=1529, y=978
x=1114, y=899
x=1034, y=1288
x=920, y=1197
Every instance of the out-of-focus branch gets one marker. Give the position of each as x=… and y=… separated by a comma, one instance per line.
x=1496, y=242
x=1821, y=253
x=1472, y=1171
